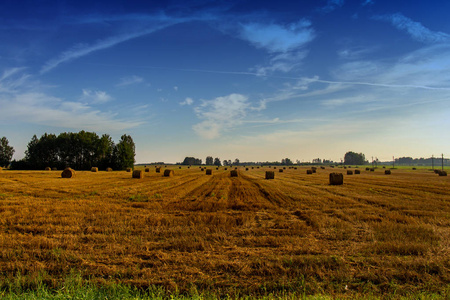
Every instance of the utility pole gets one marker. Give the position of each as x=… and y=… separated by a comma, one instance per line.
x=432, y=162
x=393, y=162
x=372, y=161
x=442, y=161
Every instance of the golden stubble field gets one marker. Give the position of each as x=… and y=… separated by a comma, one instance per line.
x=375, y=234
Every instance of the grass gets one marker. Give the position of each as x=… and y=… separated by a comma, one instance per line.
x=210, y=237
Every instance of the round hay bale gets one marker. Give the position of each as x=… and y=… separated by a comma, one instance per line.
x=270, y=175
x=280, y=170
x=357, y=172
x=295, y=168
x=202, y=169
x=179, y=167
x=129, y=169
x=94, y=169
x=233, y=173
x=349, y=172
x=284, y=168
x=274, y=167
x=442, y=173
x=323, y=168
x=217, y=168
x=68, y=173
x=336, y=179
x=169, y=173
x=108, y=169
x=436, y=171
x=225, y=169
x=48, y=169
x=309, y=172
x=387, y=172
x=414, y=168
x=208, y=172
x=246, y=169
x=137, y=174
x=384, y=167
x=158, y=170
x=253, y=168
x=332, y=167
x=372, y=169
x=314, y=170
x=367, y=169
x=345, y=167
x=147, y=169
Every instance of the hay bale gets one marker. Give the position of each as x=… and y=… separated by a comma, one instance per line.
x=280, y=170
x=54, y=169
x=367, y=169
x=253, y=168
x=284, y=168
x=202, y=169
x=309, y=172
x=372, y=169
x=129, y=169
x=336, y=179
x=225, y=169
x=158, y=170
x=137, y=174
x=313, y=170
x=345, y=167
x=68, y=173
x=295, y=168
x=357, y=172
x=169, y=173
x=387, y=172
x=48, y=169
x=94, y=169
x=270, y=175
x=442, y=173
x=208, y=171
x=323, y=168
x=235, y=168
x=179, y=167
x=349, y=172
x=147, y=169
x=384, y=167
x=414, y=168
x=274, y=167
x=217, y=168
x=108, y=170
x=246, y=169
x=233, y=173
x=436, y=171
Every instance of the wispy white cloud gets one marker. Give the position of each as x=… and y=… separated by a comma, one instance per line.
x=175, y=88
x=187, y=101
x=332, y=5
x=95, y=97
x=415, y=29
x=367, y=2
x=130, y=80
x=285, y=43
x=22, y=100
x=276, y=38
x=220, y=114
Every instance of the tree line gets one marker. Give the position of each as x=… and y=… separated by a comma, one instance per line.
x=80, y=151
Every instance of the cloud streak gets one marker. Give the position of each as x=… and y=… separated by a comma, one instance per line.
x=415, y=29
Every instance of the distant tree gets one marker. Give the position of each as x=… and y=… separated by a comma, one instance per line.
x=209, y=160
x=286, y=161
x=225, y=162
x=352, y=158
x=229, y=162
x=236, y=162
x=6, y=152
x=125, y=153
x=217, y=162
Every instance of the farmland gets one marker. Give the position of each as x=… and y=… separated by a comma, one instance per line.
x=376, y=234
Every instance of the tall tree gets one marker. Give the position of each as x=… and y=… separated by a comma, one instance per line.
x=6, y=152
x=125, y=152
x=209, y=161
x=217, y=162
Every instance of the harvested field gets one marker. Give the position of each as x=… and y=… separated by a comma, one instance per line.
x=374, y=234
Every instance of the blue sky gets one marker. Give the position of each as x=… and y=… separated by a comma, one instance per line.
x=254, y=80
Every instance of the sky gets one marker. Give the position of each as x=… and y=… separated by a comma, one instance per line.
x=253, y=80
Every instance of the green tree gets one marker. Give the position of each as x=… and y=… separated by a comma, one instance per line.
x=125, y=152
x=6, y=152
x=353, y=158
x=217, y=162
x=209, y=161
